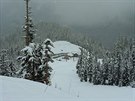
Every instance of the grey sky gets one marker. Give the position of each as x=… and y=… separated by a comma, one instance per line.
x=87, y=12
x=83, y=12
x=99, y=18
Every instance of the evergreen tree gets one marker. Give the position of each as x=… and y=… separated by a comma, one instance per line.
x=110, y=71
x=82, y=68
x=4, y=63
x=107, y=69
x=45, y=59
x=35, y=58
x=34, y=62
x=28, y=62
x=96, y=73
x=90, y=66
x=79, y=65
x=7, y=67
x=132, y=70
x=28, y=28
x=105, y=73
x=118, y=66
x=125, y=68
x=29, y=58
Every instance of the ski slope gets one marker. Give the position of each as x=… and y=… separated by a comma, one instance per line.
x=65, y=47
x=66, y=79
x=66, y=85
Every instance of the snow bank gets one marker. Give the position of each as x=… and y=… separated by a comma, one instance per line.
x=14, y=89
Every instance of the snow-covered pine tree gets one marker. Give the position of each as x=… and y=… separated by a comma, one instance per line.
x=13, y=69
x=117, y=67
x=82, y=69
x=7, y=67
x=96, y=72
x=110, y=71
x=79, y=64
x=85, y=65
x=82, y=66
x=4, y=63
x=35, y=58
x=133, y=53
x=118, y=57
x=125, y=76
x=90, y=66
x=27, y=69
x=132, y=69
x=44, y=69
x=107, y=69
x=28, y=28
x=105, y=73
x=28, y=64
x=121, y=61
x=34, y=62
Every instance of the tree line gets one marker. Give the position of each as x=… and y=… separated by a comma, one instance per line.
x=116, y=68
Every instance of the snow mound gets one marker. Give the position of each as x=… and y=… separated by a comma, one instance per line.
x=65, y=47
x=14, y=89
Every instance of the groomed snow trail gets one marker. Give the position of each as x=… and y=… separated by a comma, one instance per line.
x=66, y=80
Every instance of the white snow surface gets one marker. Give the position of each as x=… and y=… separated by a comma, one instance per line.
x=65, y=47
x=66, y=85
x=100, y=61
x=28, y=49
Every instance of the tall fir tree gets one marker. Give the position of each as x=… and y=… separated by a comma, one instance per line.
x=90, y=66
x=28, y=28
x=45, y=61
x=35, y=58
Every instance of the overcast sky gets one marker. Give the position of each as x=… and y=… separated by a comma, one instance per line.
x=89, y=12
x=117, y=16
x=84, y=12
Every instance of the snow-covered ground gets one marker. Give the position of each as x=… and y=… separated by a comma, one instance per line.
x=66, y=79
x=66, y=85
x=65, y=47
x=13, y=89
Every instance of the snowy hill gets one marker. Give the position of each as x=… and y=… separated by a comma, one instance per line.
x=65, y=47
x=66, y=85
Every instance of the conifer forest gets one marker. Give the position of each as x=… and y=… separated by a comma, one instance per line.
x=35, y=37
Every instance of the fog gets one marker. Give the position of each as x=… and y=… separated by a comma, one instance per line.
x=89, y=12
x=98, y=18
